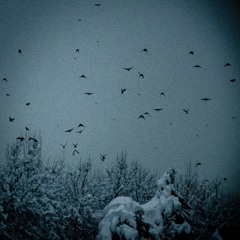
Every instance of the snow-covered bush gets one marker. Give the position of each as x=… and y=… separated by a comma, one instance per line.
x=120, y=219
x=163, y=217
x=39, y=202
x=53, y=201
x=211, y=208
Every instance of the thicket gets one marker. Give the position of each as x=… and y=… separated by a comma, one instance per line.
x=40, y=201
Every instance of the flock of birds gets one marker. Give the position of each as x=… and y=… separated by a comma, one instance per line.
x=81, y=126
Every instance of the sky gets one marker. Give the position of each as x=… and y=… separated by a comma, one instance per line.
x=111, y=37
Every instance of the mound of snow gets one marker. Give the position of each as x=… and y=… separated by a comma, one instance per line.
x=163, y=216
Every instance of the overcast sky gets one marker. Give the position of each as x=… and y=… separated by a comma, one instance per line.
x=110, y=38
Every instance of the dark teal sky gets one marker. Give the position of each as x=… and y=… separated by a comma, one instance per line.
x=109, y=38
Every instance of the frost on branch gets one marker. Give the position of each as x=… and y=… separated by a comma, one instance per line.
x=163, y=217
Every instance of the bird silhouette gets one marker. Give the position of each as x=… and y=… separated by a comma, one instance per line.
x=70, y=130
x=197, y=66
x=77, y=50
x=63, y=146
x=186, y=111
x=97, y=4
x=27, y=129
x=103, y=157
x=191, y=53
x=123, y=90
x=198, y=164
x=11, y=119
x=4, y=79
x=141, y=116
x=75, y=145
x=234, y=117
x=80, y=125
x=88, y=93
x=34, y=139
x=227, y=65
x=19, y=51
x=205, y=99
x=147, y=113
x=233, y=80
x=144, y=50
x=225, y=179
x=82, y=76
x=8, y=94
x=157, y=109
x=162, y=94
x=20, y=138
x=27, y=104
x=141, y=75
x=79, y=131
x=128, y=69
x=75, y=151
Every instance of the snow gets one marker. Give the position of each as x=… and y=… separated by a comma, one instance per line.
x=119, y=211
x=121, y=214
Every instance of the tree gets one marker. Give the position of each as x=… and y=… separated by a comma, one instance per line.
x=163, y=217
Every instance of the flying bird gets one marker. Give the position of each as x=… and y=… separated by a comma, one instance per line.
x=75, y=151
x=191, y=52
x=162, y=94
x=147, y=113
x=225, y=179
x=97, y=4
x=63, y=146
x=34, y=139
x=128, y=69
x=144, y=50
x=79, y=131
x=11, y=119
x=157, y=109
x=197, y=66
x=20, y=138
x=8, y=94
x=198, y=164
x=227, y=65
x=103, y=157
x=123, y=90
x=141, y=116
x=82, y=76
x=19, y=51
x=80, y=125
x=88, y=93
x=70, y=130
x=186, y=111
x=141, y=75
x=234, y=117
x=233, y=80
x=75, y=145
x=27, y=129
x=205, y=99
x=27, y=104
x=4, y=79
x=77, y=50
